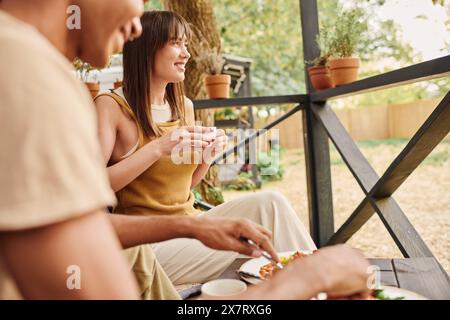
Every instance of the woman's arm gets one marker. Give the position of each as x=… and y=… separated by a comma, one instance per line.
x=128, y=169
x=199, y=173
x=125, y=171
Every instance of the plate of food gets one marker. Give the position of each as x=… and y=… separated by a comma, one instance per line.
x=258, y=269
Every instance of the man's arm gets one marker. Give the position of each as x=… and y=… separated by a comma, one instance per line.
x=39, y=260
x=215, y=232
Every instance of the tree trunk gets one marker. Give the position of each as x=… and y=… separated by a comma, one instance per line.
x=200, y=14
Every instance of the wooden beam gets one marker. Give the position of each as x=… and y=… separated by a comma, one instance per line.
x=347, y=148
x=357, y=219
x=424, y=276
x=430, y=134
x=317, y=152
x=248, y=101
x=400, y=228
x=405, y=236
x=255, y=135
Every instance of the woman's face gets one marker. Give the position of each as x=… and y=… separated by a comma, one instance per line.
x=170, y=61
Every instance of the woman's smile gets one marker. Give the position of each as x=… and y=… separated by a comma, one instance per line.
x=181, y=66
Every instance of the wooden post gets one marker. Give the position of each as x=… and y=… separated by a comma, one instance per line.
x=317, y=152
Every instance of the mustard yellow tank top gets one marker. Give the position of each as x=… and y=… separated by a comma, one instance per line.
x=164, y=188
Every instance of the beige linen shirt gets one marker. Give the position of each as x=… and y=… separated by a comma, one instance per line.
x=51, y=167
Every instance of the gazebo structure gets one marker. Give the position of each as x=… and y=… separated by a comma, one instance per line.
x=419, y=271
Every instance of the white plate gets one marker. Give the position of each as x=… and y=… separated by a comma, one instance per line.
x=394, y=292
x=252, y=266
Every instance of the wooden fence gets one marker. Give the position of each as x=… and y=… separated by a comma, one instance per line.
x=370, y=123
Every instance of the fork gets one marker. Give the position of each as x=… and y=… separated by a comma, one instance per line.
x=265, y=254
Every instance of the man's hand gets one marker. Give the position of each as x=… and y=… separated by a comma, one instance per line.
x=345, y=271
x=226, y=233
x=339, y=271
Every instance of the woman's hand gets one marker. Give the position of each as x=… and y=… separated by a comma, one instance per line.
x=215, y=147
x=186, y=138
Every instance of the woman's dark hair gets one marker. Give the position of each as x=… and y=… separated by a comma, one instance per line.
x=158, y=27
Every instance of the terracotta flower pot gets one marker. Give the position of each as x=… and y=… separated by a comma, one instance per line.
x=94, y=88
x=344, y=70
x=218, y=86
x=320, y=77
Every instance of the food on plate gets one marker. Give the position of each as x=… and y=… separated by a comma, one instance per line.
x=268, y=270
x=379, y=294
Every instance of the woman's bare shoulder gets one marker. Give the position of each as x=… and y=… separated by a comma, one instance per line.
x=108, y=108
x=189, y=110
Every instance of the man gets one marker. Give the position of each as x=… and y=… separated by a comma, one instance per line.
x=54, y=188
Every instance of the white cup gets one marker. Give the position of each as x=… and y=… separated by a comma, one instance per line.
x=209, y=136
x=223, y=287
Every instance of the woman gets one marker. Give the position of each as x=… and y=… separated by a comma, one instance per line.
x=135, y=127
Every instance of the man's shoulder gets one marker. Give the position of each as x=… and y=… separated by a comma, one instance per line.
x=19, y=34
x=25, y=49
x=34, y=72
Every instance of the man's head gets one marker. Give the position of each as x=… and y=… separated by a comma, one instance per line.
x=105, y=26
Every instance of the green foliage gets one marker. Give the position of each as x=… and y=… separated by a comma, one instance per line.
x=152, y=4
x=437, y=158
x=268, y=32
x=324, y=41
x=380, y=295
x=225, y=114
x=197, y=194
x=215, y=193
x=345, y=33
x=269, y=165
x=83, y=69
x=242, y=183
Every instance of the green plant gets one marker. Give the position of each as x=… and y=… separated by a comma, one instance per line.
x=83, y=69
x=225, y=114
x=347, y=32
x=242, y=183
x=269, y=165
x=215, y=193
x=197, y=194
x=324, y=41
x=210, y=60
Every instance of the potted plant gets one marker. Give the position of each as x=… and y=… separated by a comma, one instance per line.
x=319, y=73
x=117, y=84
x=347, y=34
x=83, y=70
x=211, y=62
